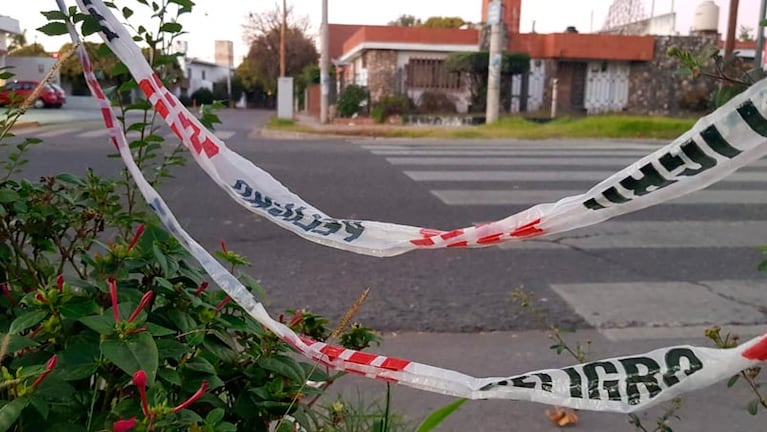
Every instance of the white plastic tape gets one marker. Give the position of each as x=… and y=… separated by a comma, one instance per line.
x=720, y=143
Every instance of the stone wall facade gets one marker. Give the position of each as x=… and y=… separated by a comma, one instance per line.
x=656, y=89
x=382, y=73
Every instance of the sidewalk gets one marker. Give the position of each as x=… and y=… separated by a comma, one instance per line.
x=716, y=408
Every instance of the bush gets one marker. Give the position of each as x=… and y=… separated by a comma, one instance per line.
x=352, y=99
x=391, y=105
x=202, y=96
x=436, y=103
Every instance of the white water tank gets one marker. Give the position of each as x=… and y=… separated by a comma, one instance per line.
x=706, y=17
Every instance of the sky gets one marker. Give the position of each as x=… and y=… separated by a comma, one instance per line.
x=223, y=19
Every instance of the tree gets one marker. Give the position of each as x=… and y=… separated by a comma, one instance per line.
x=406, y=21
x=18, y=41
x=744, y=34
x=444, y=22
x=262, y=33
x=33, y=50
x=473, y=66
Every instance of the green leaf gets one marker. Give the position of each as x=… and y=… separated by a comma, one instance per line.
x=18, y=342
x=215, y=416
x=169, y=348
x=11, y=411
x=436, y=417
x=71, y=179
x=753, y=406
x=54, y=15
x=40, y=405
x=731, y=382
x=8, y=196
x=201, y=365
x=78, y=361
x=90, y=26
x=157, y=330
x=160, y=259
x=138, y=351
x=26, y=321
x=283, y=366
x=54, y=29
x=170, y=376
x=171, y=27
x=127, y=12
x=99, y=323
x=79, y=308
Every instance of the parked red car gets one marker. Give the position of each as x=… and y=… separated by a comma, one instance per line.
x=14, y=92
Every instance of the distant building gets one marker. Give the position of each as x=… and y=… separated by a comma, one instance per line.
x=8, y=27
x=203, y=74
x=595, y=73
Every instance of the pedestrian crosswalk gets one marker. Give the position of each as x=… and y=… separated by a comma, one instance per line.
x=96, y=131
x=725, y=218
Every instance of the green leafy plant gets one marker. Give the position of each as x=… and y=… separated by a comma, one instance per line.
x=399, y=104
x=106, y=323
x=352, y=100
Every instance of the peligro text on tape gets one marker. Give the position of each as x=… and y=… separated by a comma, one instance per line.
x=622, y=384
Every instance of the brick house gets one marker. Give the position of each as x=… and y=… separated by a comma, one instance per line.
x=595, y=73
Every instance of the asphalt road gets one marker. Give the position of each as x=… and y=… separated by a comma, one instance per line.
x=676, y=266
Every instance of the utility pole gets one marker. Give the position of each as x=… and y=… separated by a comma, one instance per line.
x=282, y=36
x=324, y=64
x=729, y=44
x=494, y=62
x=758, y=55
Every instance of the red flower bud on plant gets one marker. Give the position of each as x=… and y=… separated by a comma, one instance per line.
x=203, y=286
x=223, y=303
x=41, y=298
x=138, y=330
x=297, y=318
x=145, y=299
x=192, y=399
x=48, y=369
x=139, y=231
x=139, y=380
x=113, y=294
x=223, y=247
x=7, y=293
x=60, y=283
x=124, y=425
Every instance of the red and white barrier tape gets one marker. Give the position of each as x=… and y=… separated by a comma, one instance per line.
x=718, y=144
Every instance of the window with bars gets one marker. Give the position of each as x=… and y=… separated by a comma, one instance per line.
x=431, y=74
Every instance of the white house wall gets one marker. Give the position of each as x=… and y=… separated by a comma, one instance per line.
x=607, y=87
x=535, y=87
x=213, y=73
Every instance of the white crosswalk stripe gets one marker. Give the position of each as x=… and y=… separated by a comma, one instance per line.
x=97, y=131
x=502, y=174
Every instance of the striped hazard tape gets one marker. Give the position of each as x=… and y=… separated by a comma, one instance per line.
x=731, y=137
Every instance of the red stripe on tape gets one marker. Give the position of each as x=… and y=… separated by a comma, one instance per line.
x=758, y=351
x=527, y=230
x=394, y=364
x=490, y=239
x=161, y=109
x=332, y=351
x=423, y=242
x=147, y=88
x=458, y=244
x=452, y=234
x=362, y=358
